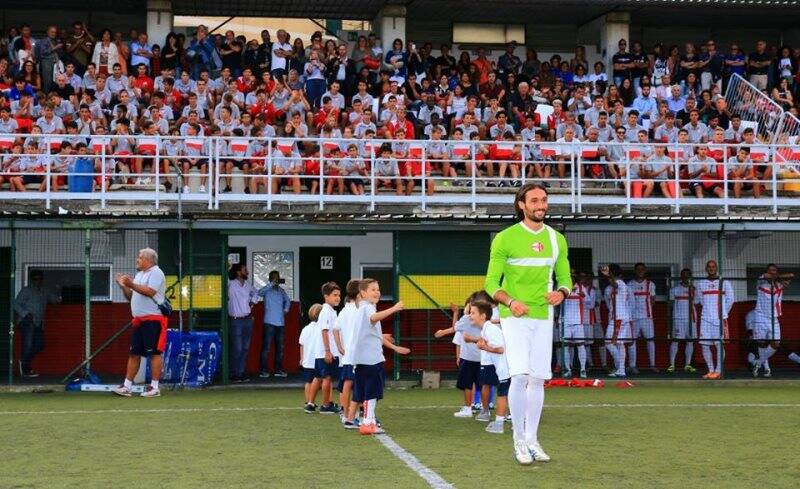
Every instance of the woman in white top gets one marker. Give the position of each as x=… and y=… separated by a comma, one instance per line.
x=105, y=53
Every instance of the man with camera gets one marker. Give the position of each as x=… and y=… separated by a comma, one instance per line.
x=276, y=305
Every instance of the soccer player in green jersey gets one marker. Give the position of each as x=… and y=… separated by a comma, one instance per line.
x=520, y=278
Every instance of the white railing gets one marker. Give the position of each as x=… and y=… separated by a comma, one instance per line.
x=473, y=174
x=756, y=108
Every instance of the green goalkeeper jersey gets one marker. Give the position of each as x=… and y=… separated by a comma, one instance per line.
x=521, y=263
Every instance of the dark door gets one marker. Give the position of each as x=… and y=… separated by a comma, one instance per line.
x=317, y=266
x=581, y=259
x=6, y=314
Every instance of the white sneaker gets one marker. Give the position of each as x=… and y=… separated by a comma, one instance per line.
x=186, y=189
x=121, y=390
x=202, y=189
x=495, y=427
x=522, y=453
x=150, y=391
x=537, y=453
x=583, y=374
x=755, y=370
x=767, y=372
x=464, y=412
x=484, y=416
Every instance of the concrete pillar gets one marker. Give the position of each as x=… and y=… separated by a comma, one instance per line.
x=390, y=24
x=613, y=27
x=159, y=21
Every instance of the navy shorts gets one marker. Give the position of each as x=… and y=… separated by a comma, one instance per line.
x=502, y=388
x=488, y=375
x=468, y=374
x=368, y=383
x=309, y=374
x=327, y=369
x=346, y=373
x=146, y=338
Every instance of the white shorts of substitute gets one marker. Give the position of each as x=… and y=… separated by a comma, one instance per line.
x=624, y=335
x=643, y=327
x=711, y=333
x=574, y=333
x=529, y=346
x=765, y=330
x=681, y=329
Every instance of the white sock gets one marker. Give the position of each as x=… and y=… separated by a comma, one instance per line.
x=154, y=384
x=720, y=354
x=582, y=356
x=762, y=356
x=673, y=352
x=535, y=398
x=689, y=352
x=708, y=357
x=651, y=352
x=770, y=351
x=128, y=383
x=603, y=355
x=568, y=358
x=499, y=419
x=517, y=404
x=614, y=352
x=369, y=411
x=794, y=357
x=621, y=366
x=751, y=358
x=632, y=354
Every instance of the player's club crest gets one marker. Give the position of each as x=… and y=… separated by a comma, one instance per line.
x=538, y=246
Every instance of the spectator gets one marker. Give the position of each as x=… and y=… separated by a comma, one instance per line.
x=508, y=62
x=79, y=47
x=141, y=52
x=758, y=63
x=241, y=296
x=30, y=307
x=276, y=306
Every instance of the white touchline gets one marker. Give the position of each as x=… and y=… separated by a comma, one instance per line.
x=432, y=478
x=414, y=408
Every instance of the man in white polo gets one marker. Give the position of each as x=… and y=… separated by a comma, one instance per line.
x=521, y=264
x=145, y=291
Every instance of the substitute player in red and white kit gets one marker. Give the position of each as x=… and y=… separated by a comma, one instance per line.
x=643, y=294
x=618, y=298
x=768, y=311
x=716, y=298
x=591, y=318
x=574, y=329
x=684, y=321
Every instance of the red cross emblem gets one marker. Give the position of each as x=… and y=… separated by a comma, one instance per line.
x=538, y=247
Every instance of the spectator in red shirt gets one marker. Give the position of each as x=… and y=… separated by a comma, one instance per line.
x=142, y=84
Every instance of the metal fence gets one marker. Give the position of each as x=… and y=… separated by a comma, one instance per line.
x=267, y=171
x=755, y=107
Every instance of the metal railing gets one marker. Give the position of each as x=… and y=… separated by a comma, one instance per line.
x=469, y=173
x=756, y=108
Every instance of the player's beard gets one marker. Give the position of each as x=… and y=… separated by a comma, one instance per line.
x=536, y=216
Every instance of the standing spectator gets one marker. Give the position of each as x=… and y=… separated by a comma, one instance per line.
x=79, y=47
x=532, y=65
x=659, y=63
x=711, y=64
x=22, y=48
x=734, y=64
x=264, y=54
x=141, y=52
x=171, y=54
x=30, y=306
x=640, y=65
x=509, y=62
x=397, y=59
x=146, y=292
x=49, y=52
x=124, y=51
x=445, y=60
x=281, y=52
x=105, y=54
x=201, y=52
x=758, y=63
x=622, y=63
x=241, y=296
x=276, y=305
x=342, y=69
x=231, y=53
x=483, y=65
x=360, y=53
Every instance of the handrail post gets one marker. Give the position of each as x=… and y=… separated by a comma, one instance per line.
x=725, y=205
x=677, y=189
x=474, y=176
x=579, y=180
x=103, y=177
x=156, y=164
x=774, y=165
x=627, y=181
x=322, y=172
x=47, y=172
x=269, y=175
x=372, y=185
x=424, y=175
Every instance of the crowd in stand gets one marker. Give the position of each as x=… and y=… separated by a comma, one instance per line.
x=289, y=111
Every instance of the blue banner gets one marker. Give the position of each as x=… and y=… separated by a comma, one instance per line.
x=193, y=356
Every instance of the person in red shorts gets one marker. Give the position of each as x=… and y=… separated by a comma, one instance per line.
x=145, y=291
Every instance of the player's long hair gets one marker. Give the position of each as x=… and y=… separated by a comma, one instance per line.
x=520, y=197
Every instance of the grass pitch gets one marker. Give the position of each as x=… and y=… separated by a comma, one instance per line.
x=648, y=436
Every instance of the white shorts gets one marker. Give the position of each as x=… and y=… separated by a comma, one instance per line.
x=574, y=333
x=681, y=329
x=588, y=333
x=710, y=332
x=643, y=327
x=764, y=329
x=599, y=334
x=529, y=346
x=624, y=335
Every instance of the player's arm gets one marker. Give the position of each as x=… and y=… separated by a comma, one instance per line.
x=326, y=342
x=444, y=332
x=494, y=274
x=563, y=276
x=337, y=337
x=398, y=349
x=471, y=339
x=301, y=354
x=652, y=295
x=729, y=297
x=381, y=315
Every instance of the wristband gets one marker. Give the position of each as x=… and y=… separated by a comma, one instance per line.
x=510, y=302
x=564, y=293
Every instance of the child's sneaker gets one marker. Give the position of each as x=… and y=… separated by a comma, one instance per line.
x=484, y=416
x=522, y=453
x=329, y=409
x=350, y=425
x=150, y=391
x=495, y=427
x=370, y=429
x=464, y=412
x=121, y=390
x=310, y=408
